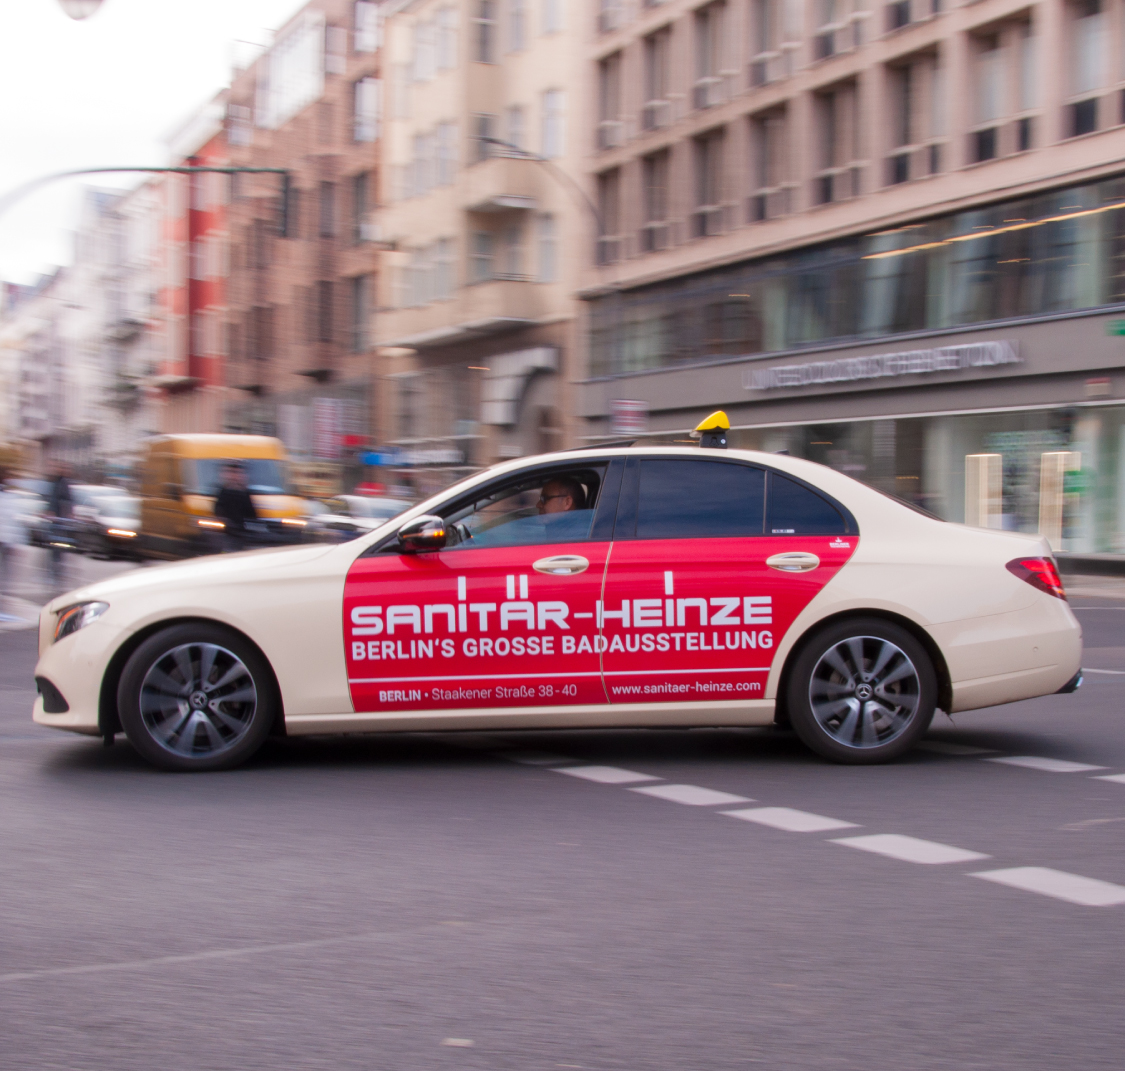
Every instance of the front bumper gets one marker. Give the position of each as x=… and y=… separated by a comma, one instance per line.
x=76, y=666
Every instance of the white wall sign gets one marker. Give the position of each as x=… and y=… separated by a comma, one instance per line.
x=883, y=366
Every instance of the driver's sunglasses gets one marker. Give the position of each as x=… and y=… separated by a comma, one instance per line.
x=547, y=498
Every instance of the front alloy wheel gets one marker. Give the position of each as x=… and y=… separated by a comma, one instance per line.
x=863, y=691
x=196, y=697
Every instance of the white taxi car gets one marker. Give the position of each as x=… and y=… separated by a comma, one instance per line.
x=626, y=586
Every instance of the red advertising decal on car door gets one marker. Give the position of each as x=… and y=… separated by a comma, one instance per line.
x=693, y=620
x=473, y=628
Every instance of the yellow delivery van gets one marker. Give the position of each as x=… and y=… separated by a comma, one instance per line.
x=180, y=476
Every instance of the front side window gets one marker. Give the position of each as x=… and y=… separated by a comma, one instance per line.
x=556, y=507
x=689, y=499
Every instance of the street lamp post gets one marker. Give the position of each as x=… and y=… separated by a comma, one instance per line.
x=283, y=228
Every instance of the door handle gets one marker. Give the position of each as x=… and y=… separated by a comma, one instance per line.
x=793, y=561
x=562, y=565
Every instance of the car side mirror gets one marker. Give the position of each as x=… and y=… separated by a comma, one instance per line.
x=422, y=533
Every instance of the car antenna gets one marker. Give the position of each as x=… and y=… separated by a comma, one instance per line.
x=712, y=432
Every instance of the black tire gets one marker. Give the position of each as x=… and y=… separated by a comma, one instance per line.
x=862, y=690
x=197, y=696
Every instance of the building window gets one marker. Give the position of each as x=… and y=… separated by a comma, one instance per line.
x=367, y=109
x=553, y=120
x=837, y=150
x=915, y=98
x=446, y=22
x=444, y=270
x=446, y=136
x=361, y=312
x=367, y=26
x=707, y=218
x=654, y=175
x=360, y=193
x=424, y=65
x=336, y=50
x=610, y=15
x=657, y=111
x=326, y=227
x=610, y=127
x=484, y=137
x=609, y=216
x=324, y=311
x=710, y=48
x=514, y=126
x=486, y=31
x=423, y=167
x=517, y=25
x=240, y=124
x=548, y=249
x=482, y=256
x=513, y=251
x=769, y=165
x=1088, y=51
x=551, y=15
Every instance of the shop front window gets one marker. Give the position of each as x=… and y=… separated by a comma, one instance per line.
x=1056, y=252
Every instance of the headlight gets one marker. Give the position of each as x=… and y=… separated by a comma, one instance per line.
x=205, y=523
x=123, y=532
x=294, y=521
x=71, y=618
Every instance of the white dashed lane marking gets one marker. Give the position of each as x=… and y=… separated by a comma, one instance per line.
x=945, y=747
x=1072, y=888
x=1087, y=892
x=1038, y=762
x=910, y=849
x=788, y=819
x=606, y=775
x=692, y=795
x=1117, y=778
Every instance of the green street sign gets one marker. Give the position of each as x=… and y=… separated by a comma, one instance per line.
x=1115, y=327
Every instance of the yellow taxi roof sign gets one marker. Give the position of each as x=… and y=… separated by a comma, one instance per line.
x=718, y=419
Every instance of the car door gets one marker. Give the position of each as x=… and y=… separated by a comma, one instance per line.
x=503, y=619
x=712, y=561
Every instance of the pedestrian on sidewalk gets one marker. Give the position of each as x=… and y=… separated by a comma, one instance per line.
x=11, y=535
x=59, y=509
x=234, y=507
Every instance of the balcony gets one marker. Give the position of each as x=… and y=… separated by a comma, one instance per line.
x=483, y=309
x=503, y=184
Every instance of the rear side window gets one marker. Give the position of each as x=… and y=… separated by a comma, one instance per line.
x=793, y=509
x=685, y=499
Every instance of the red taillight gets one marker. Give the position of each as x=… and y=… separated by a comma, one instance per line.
x=1040, y=573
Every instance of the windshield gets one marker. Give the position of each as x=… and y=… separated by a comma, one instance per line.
x=264, y=475
x=123, y=506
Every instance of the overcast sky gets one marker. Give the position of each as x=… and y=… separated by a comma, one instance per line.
x=104, y=91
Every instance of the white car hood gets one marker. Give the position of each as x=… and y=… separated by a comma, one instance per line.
x=218, y=567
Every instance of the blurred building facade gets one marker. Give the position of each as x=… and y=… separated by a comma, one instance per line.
x=488, y=224
x=301, y=276
x=886, y=237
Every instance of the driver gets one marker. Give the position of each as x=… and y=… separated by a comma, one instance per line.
x=561, y=494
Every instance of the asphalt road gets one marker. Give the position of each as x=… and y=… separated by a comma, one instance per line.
x=416, y=903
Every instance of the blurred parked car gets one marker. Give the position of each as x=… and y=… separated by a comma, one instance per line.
x=29, y=515
x=336, y=520
x=112, y=530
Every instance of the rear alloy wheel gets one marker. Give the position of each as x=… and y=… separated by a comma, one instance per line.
x=862, y=691
x=196, y=697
